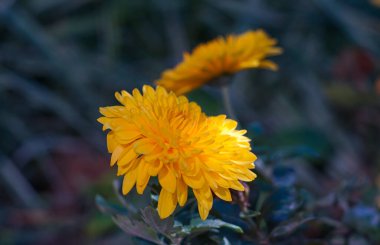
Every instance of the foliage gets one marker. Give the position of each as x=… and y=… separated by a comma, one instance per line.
x=149, y=226
x=285, y=213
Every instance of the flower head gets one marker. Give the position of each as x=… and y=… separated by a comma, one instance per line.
x=159, y=134
x=375, y=2
x=222, y=56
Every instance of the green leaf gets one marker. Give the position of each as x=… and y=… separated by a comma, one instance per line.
x=137, y=228
x=108, y=208
x=198, y=224
x=163, y=226
x=98, y=225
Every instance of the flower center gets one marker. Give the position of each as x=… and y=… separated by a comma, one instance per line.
x=172, y=153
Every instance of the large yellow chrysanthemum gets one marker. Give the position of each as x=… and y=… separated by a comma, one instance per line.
x=222, y=56
x=158, y=133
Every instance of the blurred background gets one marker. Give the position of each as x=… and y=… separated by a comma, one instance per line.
x=60, y=60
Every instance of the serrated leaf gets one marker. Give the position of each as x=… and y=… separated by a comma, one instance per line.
x=137, y=228
x=163, y=226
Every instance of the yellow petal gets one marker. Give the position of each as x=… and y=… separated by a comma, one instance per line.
x=190, y=166
x=129, y=181
x=166, y=203
x=181, y=192
x=161, y=92
x=247, y=156
x=210, y=180
x=222, y=193
x=230, y=124
x=154, y=167
x=111, y=142
x=142, y=177
x=149, y=91
x=126, y=136
x=220, y=180
x=214, y=165
x=144, y=146
x=111, y=111
x=247, y=176
x=236, y=185
x=127, y=157
x=137, y=95
x=122, y=169
x=203, y=212
x=116, y=154
x=204, y=196
x=195, y=182
x=167, y=179
x=269, y=65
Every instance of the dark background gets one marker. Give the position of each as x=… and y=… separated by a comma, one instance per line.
x=60, y=60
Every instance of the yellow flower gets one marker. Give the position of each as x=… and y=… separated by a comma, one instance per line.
x=375, y=2
x=159, y=134
x=222, y=56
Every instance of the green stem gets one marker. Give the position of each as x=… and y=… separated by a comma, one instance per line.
x=227, y=101
x=231, y=114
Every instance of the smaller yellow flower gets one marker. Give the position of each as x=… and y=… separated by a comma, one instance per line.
x=375, y=3
x=222, y=56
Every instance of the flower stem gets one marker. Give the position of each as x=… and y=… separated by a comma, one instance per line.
x=227, y=101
